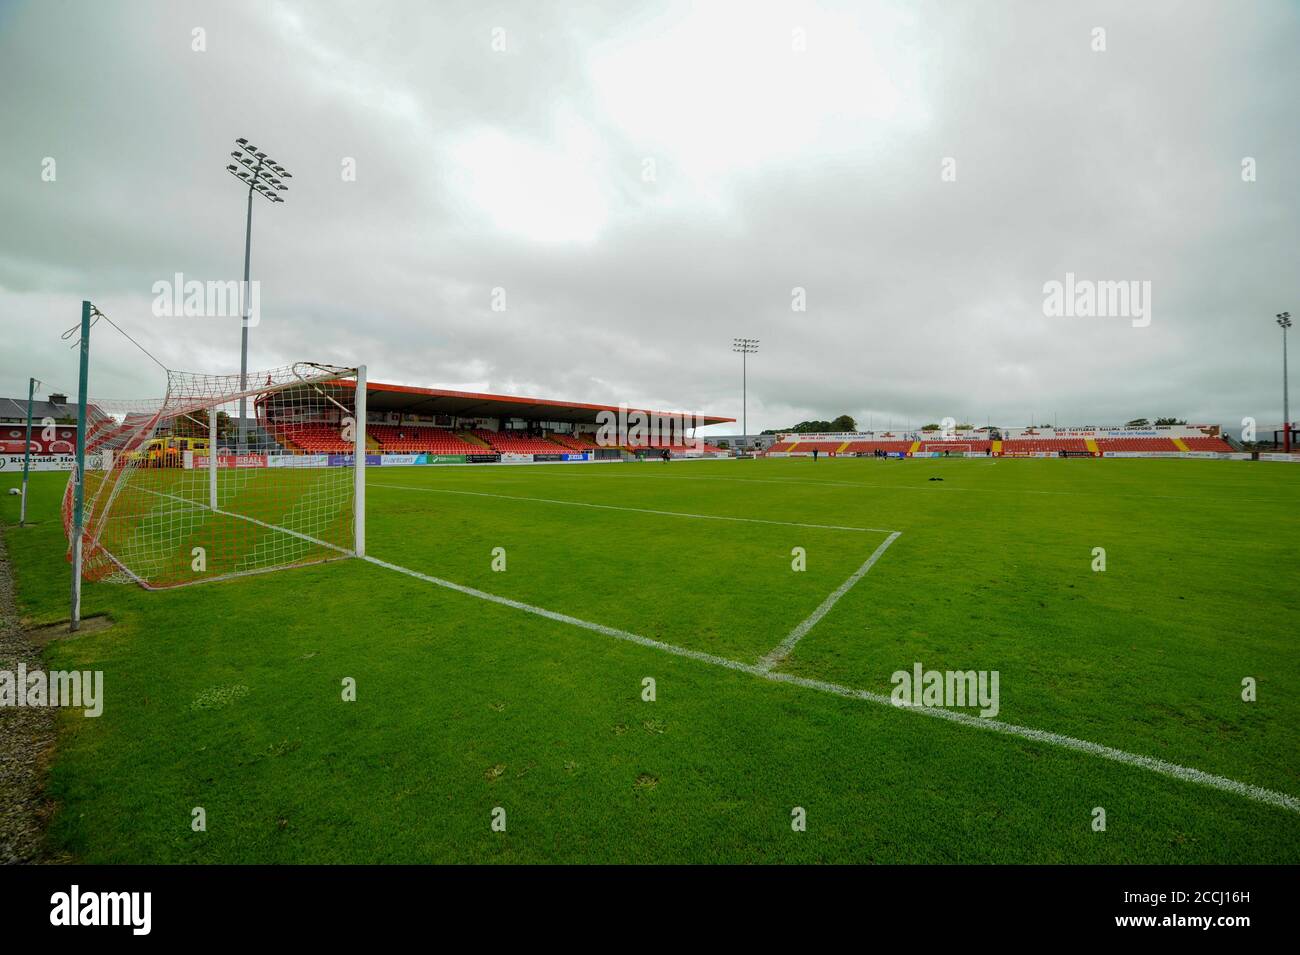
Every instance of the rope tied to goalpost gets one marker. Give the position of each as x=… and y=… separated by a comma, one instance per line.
x=96, y=315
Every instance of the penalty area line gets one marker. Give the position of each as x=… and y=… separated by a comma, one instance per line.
x=784, y=648
x=1149, y=763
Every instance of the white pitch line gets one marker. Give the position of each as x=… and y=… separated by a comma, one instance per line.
x=928, y=487
x=1151, y=764
x=234, y=574
x=252, y=520
x=565, y=618
x=782, y=649
x=1159, y=766
x=636, y=510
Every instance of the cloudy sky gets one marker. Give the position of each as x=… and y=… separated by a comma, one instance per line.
x=645, y=186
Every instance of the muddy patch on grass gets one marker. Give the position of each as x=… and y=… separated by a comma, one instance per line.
x=26, y=740
x=43, y=636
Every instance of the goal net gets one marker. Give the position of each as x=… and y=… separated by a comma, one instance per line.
x=938, y=447
x=186, y=490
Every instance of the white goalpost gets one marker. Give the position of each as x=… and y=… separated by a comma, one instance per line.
x=180, y=491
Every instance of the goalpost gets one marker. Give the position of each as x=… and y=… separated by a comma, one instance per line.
x=163, y=495
x=960, y=447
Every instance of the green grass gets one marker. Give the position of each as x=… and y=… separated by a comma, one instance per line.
x=465, y=705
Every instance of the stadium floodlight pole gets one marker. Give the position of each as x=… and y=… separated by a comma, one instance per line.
x=265, y=176
x=27, y=452
x=746, y=347
x=1284, y=322
x=79, y=488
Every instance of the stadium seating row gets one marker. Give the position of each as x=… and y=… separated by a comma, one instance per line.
x=314, y=438
x=1048, y=445
x=867, y=447
x=320, y=437
x=1207, y=444
x=1011, y=446
x=511, y=443
x=409, y=439
x=574, y=442
x=1137, y=444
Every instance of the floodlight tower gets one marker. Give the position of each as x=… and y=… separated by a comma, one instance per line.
x=746, y=347
x=265, y=176
x=1284, y=322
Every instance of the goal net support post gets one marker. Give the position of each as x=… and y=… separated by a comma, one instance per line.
x=359, y=465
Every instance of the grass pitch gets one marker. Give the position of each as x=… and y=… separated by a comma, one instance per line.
x=228, y=696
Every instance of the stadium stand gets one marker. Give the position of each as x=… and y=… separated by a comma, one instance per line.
x=417, y=438
x=809, y=446
x=956, y=444
x=313, y=438
x=1048, y=444
x=867, y=447
x=508, y=443
x=572, y=441
x=1208, y=444
x=1136, y=444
